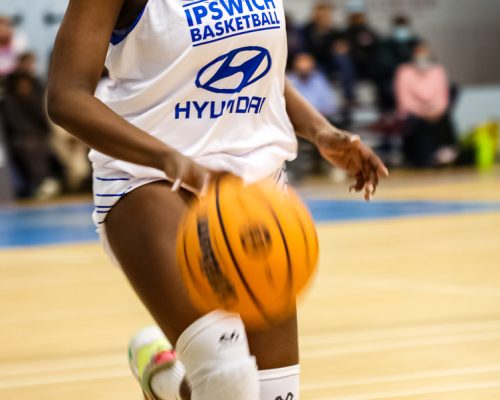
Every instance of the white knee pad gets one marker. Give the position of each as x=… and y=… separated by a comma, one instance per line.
x=280, y=384
x=214, y=351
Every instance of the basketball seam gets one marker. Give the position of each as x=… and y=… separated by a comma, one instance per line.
x=268, y=273
x=186, y=258
x=289, y=262
x=306, y=242
x=252, y=295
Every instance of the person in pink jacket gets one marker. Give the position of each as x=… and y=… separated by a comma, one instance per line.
x=8, y=55
x=422, y=94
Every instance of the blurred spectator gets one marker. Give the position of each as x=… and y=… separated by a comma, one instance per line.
x=295, y=40
x=363, y=43
x=320, y=34
x=73, y=156
x=397, y=49
x=26, y=63
x=331, y=51
x=402, y=41
x=315, y=87
x=344, y=72
x=422, y=93
x=27, y=131
x=8, y=56
x=313, y=84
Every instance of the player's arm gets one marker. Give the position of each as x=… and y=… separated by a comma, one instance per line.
x=77, y=63
x=337, y=146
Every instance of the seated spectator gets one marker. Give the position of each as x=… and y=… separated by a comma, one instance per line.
x=295, y=40
x=402, y=41
x=363, y=42
x=320, y=34
x=73, y=155
x=397, y=49
x=331, y=51
x=422, y=93
x=26, y=63
x=344, y=72
x=27, y=131
x=313, y=84
x=316, y=88
x=8, y=55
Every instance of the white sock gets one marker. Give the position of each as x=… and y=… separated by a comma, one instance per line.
x=275, y=384
x=166, y=384
x=214, y=351
x=280, y=384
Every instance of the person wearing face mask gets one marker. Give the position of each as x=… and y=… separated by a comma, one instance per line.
x=393, y=51
x=422, y=93
x=313, y=84
x=403, y=40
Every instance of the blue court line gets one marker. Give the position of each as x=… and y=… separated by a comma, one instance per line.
x=31, y=226
x=347, y=210
x=46, y=225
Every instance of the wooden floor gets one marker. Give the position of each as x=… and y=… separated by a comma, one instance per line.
x=405, y=308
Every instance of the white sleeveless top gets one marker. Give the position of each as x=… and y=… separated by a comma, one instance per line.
x=205, y=77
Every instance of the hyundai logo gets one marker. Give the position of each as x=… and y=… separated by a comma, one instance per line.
x=234, y=71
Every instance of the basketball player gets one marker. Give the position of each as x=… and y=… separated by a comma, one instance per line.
x=197, y=86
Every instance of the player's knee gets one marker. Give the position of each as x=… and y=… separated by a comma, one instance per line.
x=218, y=363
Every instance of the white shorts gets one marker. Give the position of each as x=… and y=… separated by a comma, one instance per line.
x=110, y=186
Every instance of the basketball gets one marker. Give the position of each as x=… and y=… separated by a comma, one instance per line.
x=247, y=249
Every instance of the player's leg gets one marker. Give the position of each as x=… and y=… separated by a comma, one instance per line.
x=277, y=353
x=276, y=350
x=141, y=230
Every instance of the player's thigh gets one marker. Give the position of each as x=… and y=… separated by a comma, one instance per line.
x=142, y=230
x=276, y=347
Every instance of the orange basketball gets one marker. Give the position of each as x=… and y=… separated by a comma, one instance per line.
x=247, y=249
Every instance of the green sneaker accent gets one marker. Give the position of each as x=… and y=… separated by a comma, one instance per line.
x=146, y=353
x=149, y=352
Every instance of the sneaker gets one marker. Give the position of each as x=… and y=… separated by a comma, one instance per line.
x=149, y=352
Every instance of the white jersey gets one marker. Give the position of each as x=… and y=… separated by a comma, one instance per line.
x=205, y=77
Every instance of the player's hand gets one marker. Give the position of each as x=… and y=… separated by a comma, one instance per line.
x=349, y=153
x=186, y=172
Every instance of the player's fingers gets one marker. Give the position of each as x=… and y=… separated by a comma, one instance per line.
x=368, y=195
x=373, y=178
x=176, y=185
x=371, y=185
x=359, y=185
x=192, y=175
x=180, y=176
x=375, y=184
x=379, y=166
x=367, y=170
x=205, y=185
